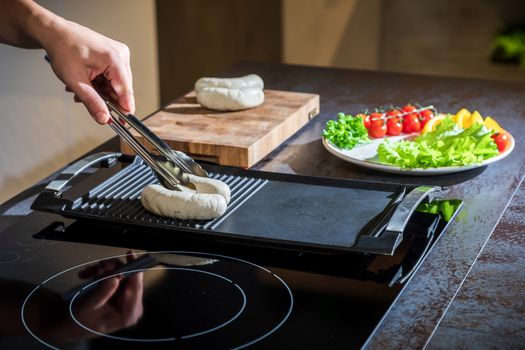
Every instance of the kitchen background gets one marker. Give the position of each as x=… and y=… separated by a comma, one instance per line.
x=174, y=42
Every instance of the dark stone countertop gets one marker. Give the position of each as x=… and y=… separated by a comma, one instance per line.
x=488, y=310
x=420, y=308
x=487, y=191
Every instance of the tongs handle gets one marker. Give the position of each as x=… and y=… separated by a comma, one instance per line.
x=170, y=176
x=180, y=159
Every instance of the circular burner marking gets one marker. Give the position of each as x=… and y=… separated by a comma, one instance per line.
x=265, y=335
x=158, y=339
x=9, y=257
x=31, y=241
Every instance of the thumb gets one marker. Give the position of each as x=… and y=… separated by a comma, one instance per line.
x=93, y=102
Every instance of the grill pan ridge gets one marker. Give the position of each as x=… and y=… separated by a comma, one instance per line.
x=118, y=198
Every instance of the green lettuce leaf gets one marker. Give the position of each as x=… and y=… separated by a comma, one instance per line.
x=448, y=145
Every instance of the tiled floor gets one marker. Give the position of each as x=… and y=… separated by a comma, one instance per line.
x=489, y=310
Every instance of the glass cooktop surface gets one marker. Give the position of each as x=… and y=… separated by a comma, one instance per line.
x=76, y=285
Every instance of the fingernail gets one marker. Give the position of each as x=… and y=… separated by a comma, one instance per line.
x=131, y=103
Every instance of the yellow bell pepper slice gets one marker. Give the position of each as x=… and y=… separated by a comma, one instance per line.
x=432, y=123
x=491, y=124
x=461, y=116
x=472, y=119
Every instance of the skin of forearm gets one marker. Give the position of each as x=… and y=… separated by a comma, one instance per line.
x=26, y=24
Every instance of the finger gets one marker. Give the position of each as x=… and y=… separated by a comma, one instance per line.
x=121, y=82
x=68, y=89
x=76, y=99
x=108, y=266
x=93, y=102
x=100, y=294
x=91, y=271
x=103, y=86
x=88, y=272
x=129, y=299
x=131, y=255
x=102, y=267
x=135, y=281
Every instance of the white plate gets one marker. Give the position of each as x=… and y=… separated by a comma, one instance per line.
x=366, y=155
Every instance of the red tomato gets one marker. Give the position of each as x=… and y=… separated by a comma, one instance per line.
x=376, y=116
x=411, y=123
x=377, y=128
x=502, y=140
x=366, y=119
x=425, y=116
x=393, y=126
x=409, y=108
x=393, y=112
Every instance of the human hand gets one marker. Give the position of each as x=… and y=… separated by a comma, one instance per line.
x=113, y=303
x=88, y=62
x=84, y=60
x=110, y=304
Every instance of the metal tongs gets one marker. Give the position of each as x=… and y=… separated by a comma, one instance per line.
x=172, y=167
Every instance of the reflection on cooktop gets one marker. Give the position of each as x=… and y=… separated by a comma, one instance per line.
x=173, y=297
x=76, y=285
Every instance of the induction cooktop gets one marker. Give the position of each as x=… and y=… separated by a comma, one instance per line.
x=76, y=284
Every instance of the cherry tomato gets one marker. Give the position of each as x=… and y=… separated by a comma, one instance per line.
x=425, y=116
x=377, y=128
x=377, y=116
x=411, y=123
x=393, y=112
x=409, y=108
x=502, y=140
x=393, y=126
x=366, y=119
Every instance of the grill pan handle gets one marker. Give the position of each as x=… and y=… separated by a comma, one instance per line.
x=392, y=235
x=73, y=170
x=413, y=261
x=423, y=236
x=407, y=207
x=50, y=199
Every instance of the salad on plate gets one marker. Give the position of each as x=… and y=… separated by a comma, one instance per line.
x=417, y=140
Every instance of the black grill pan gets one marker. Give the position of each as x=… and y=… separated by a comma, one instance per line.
x=288, y=211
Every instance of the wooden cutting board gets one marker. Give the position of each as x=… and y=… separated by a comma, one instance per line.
x=240, y=138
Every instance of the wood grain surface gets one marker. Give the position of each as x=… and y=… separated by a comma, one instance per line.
x=239, y=138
